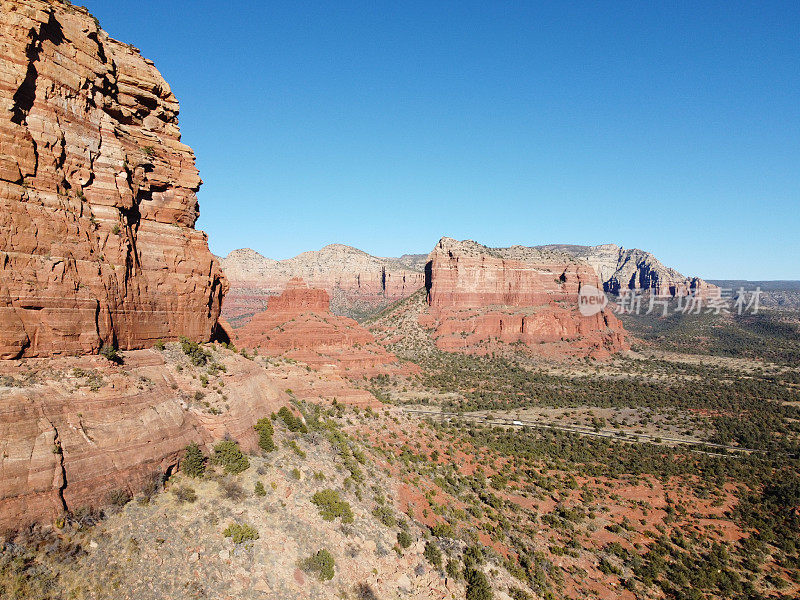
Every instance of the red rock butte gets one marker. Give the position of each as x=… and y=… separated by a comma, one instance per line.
x=97, y=194
x=478, y=295
x=298, y=324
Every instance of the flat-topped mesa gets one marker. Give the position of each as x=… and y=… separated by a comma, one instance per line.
x=479, y=295
x=468, y=275
x=298, y=324
x=97, y=194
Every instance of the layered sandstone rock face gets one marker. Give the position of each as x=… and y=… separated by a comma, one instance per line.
x=479, y=295
x=357, y=283
x=97, y=194
x=298, y=324
x=622, y=270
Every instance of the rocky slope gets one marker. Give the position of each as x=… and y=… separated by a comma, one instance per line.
x=74, y=430
x=206, y=564
x=97, y=194
x=299, y=325
x=357, y=283
x=623, y=269
x=477, y=295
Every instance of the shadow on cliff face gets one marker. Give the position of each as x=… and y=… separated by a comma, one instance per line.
x=220, y=333
x=428, y=279
x=25, y=95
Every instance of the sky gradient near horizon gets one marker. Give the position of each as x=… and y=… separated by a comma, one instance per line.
x=674, y=128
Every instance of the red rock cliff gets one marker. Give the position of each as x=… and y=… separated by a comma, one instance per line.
x=514, y=295
x=97, y=194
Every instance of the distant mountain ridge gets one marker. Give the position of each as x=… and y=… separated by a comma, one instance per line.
x=623, y=269
x=358, y=283
x=780, y=294
x=361, y=284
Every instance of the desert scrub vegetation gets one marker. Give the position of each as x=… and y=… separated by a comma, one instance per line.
x=769, y=335
x=478, y=587
x=296, y=449
x=385, y=515
x=184, y=493
x=260, y=490
x=265, y=432
x=198, y=355
x=194, y=461
x=228, y=455
x=293, y=423
x=433, y=554
x=241, y=533
x=342, y=446
x=331, y=506
x=111, y=353
x=320, y=564
x=118, y=497
x=404, y=539
x=91, y=378
x=498, y=383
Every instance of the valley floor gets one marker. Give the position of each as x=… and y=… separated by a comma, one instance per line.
x=594, y=499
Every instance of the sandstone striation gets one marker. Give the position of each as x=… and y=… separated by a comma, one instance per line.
x=357, y=283
x=477, y=295
x=298, y=324
x=97, y=194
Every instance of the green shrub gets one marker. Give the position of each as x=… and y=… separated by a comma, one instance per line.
x=442, y=530
x=404, y=539
x=433, y=554
x=241, y=532
x=385, y=515
x=478, y=587
x=194, y=463
x=473, y=556
x=453, y=569
x=228, y=455
x=265, y=432
x=110, y=353
x=260, y=491
x=292, y=423
x=331, y=506
x=296, y=449
x=321, y=564
x=159, y=345
x=198, y=355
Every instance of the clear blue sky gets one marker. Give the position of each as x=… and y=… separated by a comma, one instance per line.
x=673, y=128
